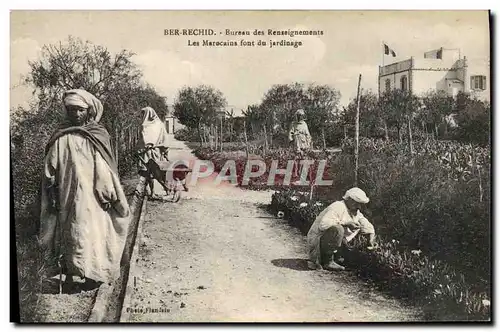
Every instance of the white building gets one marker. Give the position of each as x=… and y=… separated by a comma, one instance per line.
x=441, y=69
x=172, y=124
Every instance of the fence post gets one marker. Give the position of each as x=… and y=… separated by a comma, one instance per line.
x=356, y=148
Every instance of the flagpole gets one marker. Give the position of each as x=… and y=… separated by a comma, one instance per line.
x=383, y=53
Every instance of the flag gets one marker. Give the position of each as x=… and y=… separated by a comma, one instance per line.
x=388, y=51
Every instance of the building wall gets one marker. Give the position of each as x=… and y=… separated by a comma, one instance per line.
x=427, y=80
x=172, y=124
x=478, y=67
x=395, y=80
x=395, y=67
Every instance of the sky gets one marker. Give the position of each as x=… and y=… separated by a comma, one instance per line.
x=351, y=44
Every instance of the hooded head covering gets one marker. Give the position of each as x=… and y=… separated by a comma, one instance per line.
x=149, y=116
x=153, y=129
x=84, y=99
x=357, y=195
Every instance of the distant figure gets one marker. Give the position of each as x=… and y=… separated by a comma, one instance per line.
x=300, y=138
x=299, y=134
x=153, y=143
x=84, y=210
x=338, y=223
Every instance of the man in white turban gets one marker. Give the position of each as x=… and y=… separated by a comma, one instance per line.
x=338, y=223
x=84, y=210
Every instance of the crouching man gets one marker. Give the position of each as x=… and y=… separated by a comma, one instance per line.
x=341, y=220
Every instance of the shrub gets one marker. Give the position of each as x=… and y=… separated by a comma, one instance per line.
x=187, y=135
x=430, y=200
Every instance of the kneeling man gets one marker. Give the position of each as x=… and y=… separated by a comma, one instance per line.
x=338, y=220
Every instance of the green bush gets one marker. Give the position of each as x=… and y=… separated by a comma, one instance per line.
x=187, y=135
x=429, y=201
x=27, y=168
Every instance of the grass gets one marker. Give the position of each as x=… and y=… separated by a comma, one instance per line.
x=31, y=266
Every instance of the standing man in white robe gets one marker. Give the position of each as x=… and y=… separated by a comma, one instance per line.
x=84, y=210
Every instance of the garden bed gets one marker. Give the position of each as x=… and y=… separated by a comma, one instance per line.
x=409, y=274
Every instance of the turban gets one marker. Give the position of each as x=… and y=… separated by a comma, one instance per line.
x=357, y=195
x=300, y=112
x=84, y=99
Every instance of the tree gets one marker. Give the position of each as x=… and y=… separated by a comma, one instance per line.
x=78, y=64
x=369, y=114
x=199, y=105
x=147, y=96
x=437, y=105
x=474, y=122
x=280, y=103
x=398, y=107
x=254, y=117
x=114, y=79
x=321, y=107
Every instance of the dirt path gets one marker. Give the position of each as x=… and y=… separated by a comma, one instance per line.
x=217, y=257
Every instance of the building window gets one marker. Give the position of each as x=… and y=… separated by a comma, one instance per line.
x=478, y=82
x=404, y=83
x=387, y=85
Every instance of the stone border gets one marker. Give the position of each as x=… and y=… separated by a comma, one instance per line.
x=130, y=286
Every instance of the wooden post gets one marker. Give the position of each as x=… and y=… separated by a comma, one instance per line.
x=245, y=134
x=117, y=141
x=476, y=166
x=409, y=134
x=480, y=184
x=386, y=130
x=356, y=148
x=221, y=134
x=265, y=142
x=212, y=132
x=312, y=183
x=323, y=136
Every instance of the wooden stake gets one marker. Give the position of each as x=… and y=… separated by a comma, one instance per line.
x=221, y=134
x=265, y=142
x=410, y=138
x=356, y=148
x=245, y=134
x=323, y=136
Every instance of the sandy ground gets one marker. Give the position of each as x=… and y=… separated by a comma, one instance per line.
x=216, y=256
